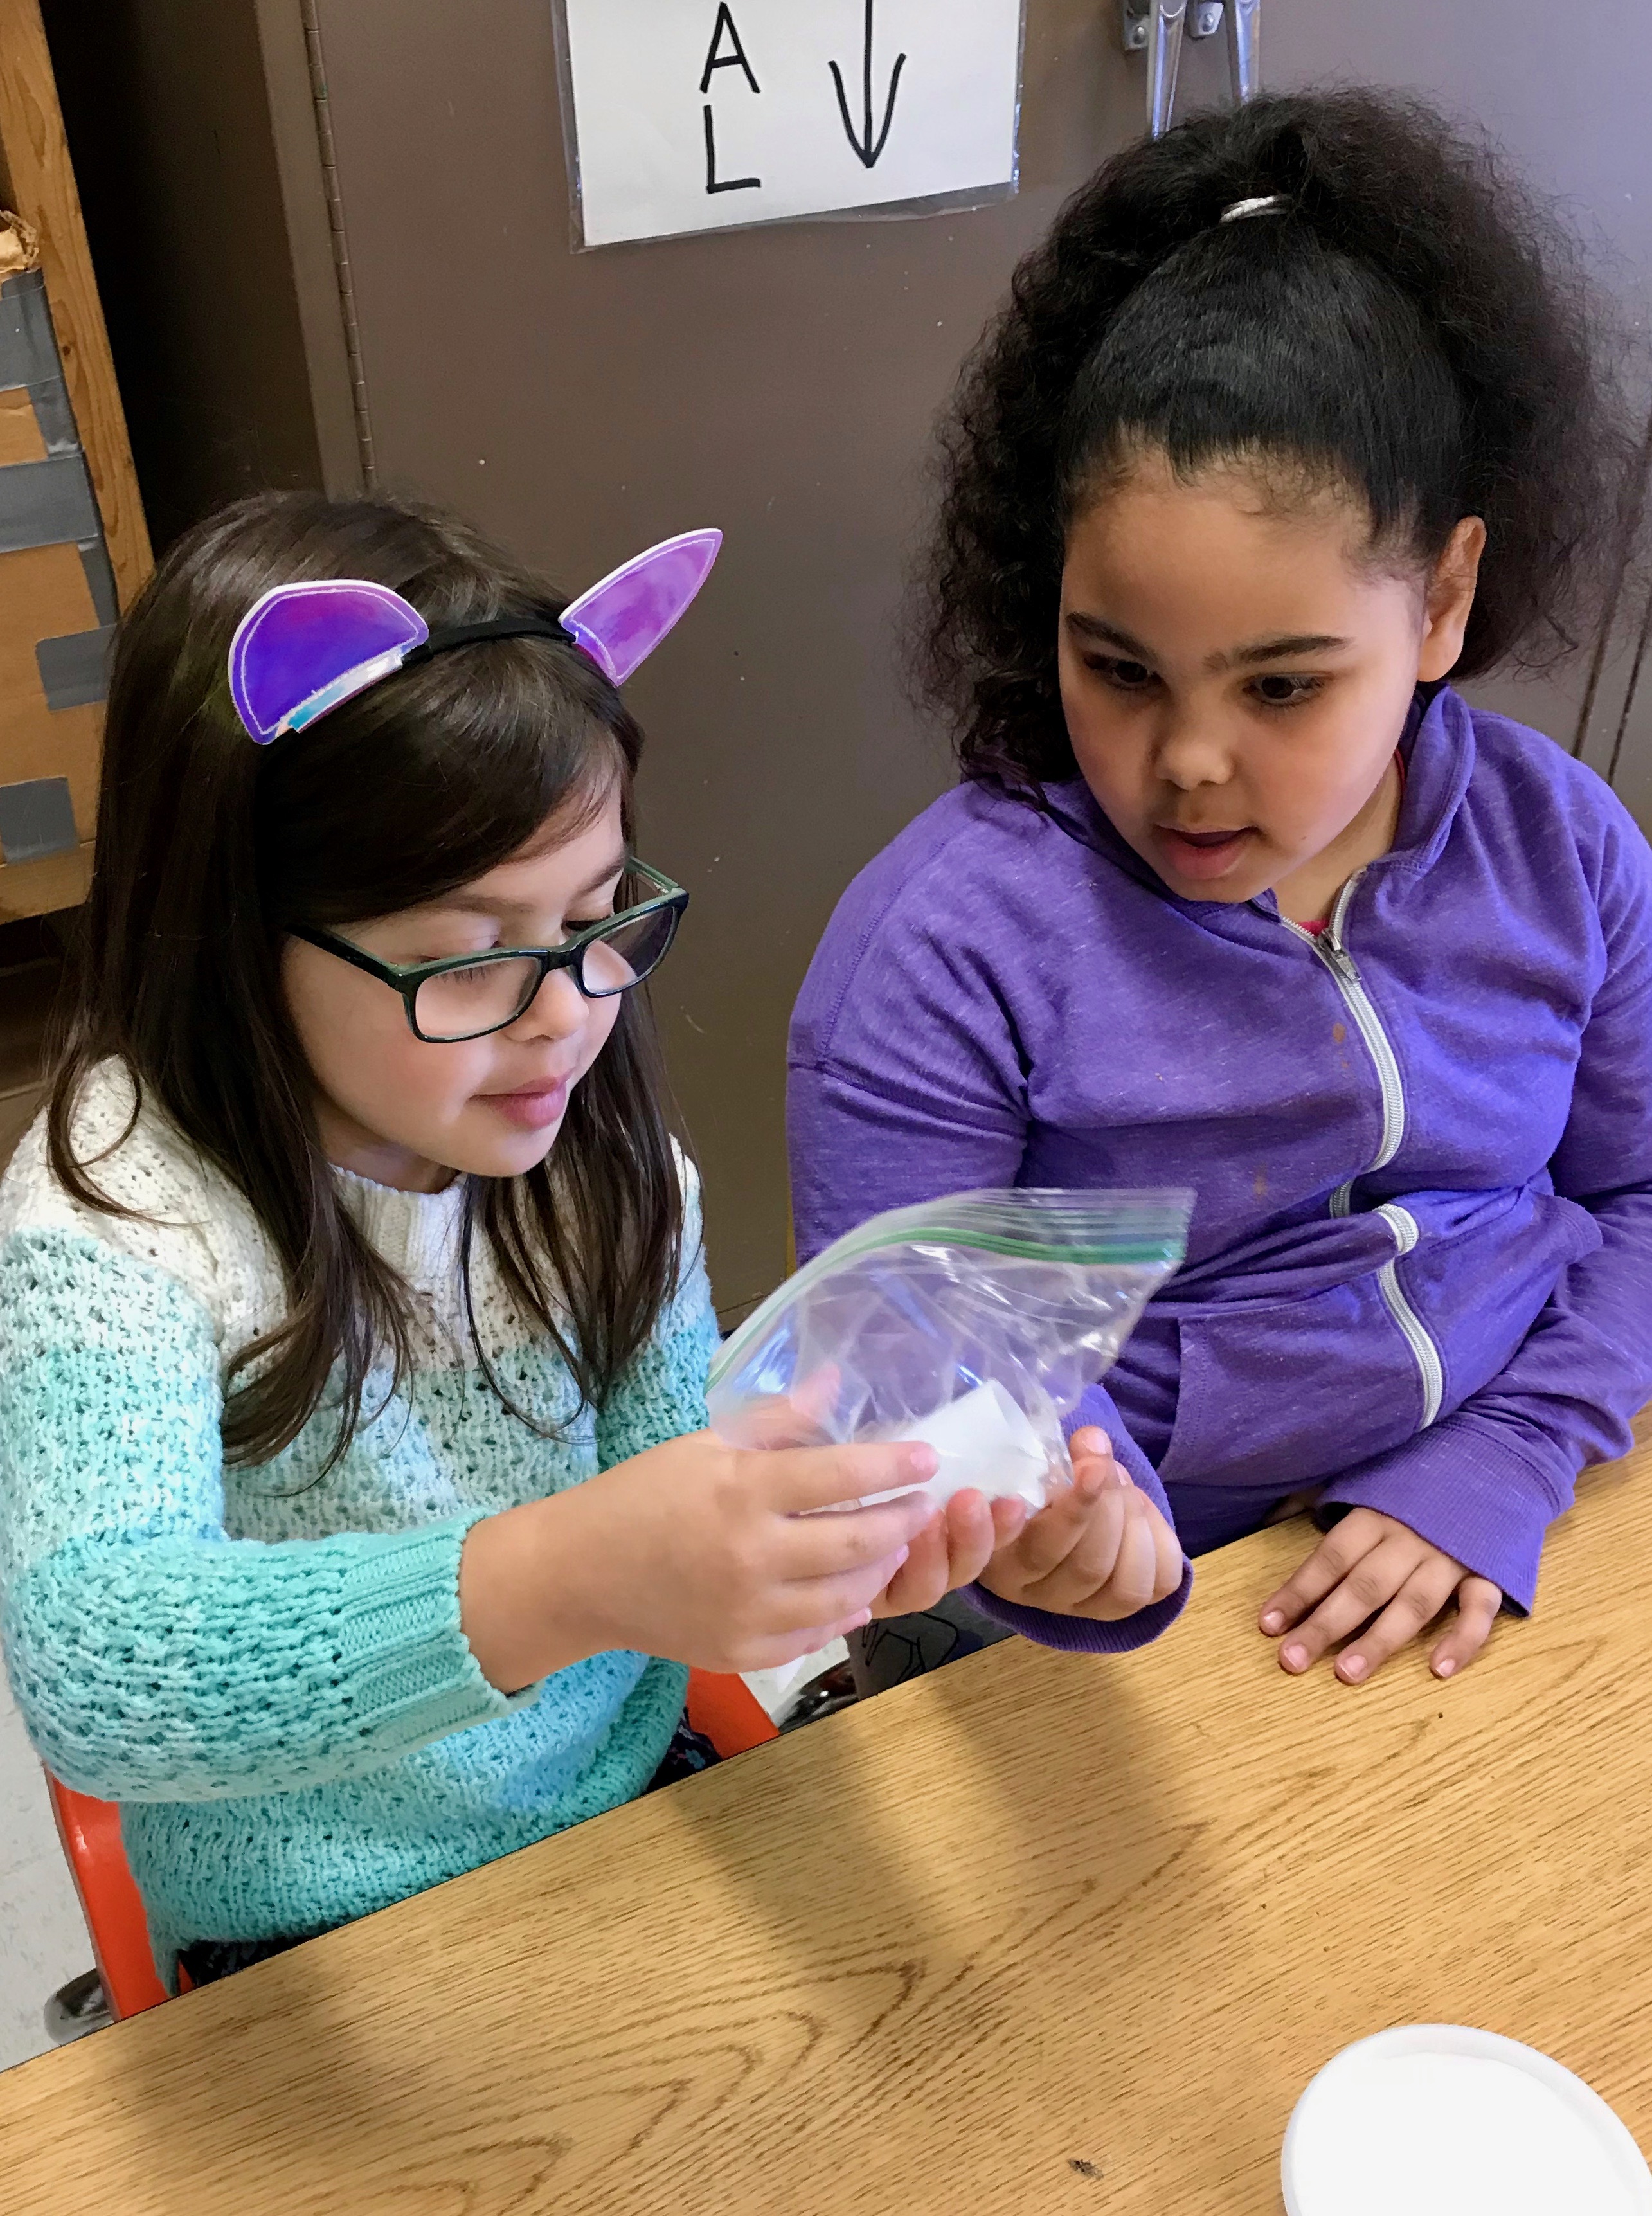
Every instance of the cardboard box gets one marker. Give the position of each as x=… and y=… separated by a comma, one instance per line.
x=44, y=595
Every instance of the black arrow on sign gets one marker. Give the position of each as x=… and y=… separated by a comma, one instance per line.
x=865, y=145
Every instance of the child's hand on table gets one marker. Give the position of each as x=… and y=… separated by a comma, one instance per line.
x=1373, y=1567
x=1100, y=1549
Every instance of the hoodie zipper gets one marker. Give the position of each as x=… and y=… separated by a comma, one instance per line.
x=1333, y=953
x=1331, y=949
x=1431, y=1371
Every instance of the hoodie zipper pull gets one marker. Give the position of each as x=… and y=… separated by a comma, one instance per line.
x=1342, y=960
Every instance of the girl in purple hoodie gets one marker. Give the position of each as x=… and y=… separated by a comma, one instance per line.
x=1296, y=415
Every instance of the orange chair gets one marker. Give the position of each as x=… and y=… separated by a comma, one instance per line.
x=727, y=1711
x=723, y=1709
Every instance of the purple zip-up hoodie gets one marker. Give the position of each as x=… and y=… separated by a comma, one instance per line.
x=1420, y=1276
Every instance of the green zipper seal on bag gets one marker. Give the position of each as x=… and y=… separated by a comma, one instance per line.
x=1153, y=1234
x=1115, y=1252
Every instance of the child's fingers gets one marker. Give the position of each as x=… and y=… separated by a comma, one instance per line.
x=1150, y=1566
x=975, y=1529
x=818, y=1600
x=1095, y=1466
x=1009, y=1518
x=1089, y=1563
x=1092, y=1557
x=1479, y=1603
x=807, y=1549
x=1090, y=1511
x=1132, y=1573
x=1368, y=1587
x=798, y=1479
x=1413, y=1608
x=1330, y=1562
x=951, y=1553
x=1171, y=1563
x=922, y=1577
x=1132, y=1585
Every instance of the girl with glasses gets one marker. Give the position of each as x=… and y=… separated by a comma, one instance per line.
x=354, y=1319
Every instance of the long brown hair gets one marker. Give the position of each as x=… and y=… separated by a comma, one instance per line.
x=210, y=850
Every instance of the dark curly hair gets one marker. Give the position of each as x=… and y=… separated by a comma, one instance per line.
x=1408, y=323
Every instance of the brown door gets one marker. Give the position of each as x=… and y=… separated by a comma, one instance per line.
x=782, y=383
x=1565, y=89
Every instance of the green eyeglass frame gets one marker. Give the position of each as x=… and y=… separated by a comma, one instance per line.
x=668, y=902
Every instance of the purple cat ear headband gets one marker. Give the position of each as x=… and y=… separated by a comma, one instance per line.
x=304, y=649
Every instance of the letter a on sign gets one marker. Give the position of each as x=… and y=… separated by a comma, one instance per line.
x=734, y=58
x=686, y=116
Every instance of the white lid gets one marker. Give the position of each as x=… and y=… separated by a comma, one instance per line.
x=1434, y=2120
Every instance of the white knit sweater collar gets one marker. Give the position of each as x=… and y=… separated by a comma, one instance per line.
x=417, y=1233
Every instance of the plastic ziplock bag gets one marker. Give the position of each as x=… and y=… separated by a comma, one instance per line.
x=973, y=1323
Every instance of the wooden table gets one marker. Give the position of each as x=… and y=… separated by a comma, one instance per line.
x=1035, y=1936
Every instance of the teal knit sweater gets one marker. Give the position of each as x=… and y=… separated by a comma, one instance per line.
x=267, y=1672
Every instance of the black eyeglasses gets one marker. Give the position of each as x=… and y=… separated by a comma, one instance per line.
x=468, y=995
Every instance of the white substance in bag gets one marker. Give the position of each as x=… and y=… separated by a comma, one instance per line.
x=984, y=1440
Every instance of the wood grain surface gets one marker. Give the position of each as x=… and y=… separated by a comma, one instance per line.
x=1037, y=1934
x=37, y=181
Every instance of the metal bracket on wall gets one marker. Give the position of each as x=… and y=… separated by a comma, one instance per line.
x=1156, y=27
x=1204, y=22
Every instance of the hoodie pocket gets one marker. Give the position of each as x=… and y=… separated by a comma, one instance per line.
x=1280, y=1398
x=1283, y=1394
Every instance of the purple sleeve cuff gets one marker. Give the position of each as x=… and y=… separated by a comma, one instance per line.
x=1465, y=1489
x=1080, y=1634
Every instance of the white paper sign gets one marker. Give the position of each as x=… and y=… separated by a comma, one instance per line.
x=700, y=114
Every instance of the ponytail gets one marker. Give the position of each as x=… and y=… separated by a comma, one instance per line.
x=1396, y=319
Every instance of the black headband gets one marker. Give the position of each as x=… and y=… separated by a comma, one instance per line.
x=449, y=635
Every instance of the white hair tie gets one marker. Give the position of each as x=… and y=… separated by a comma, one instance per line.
x=1269, y=203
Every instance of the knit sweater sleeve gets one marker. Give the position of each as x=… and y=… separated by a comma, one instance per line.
x=154, y=1658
